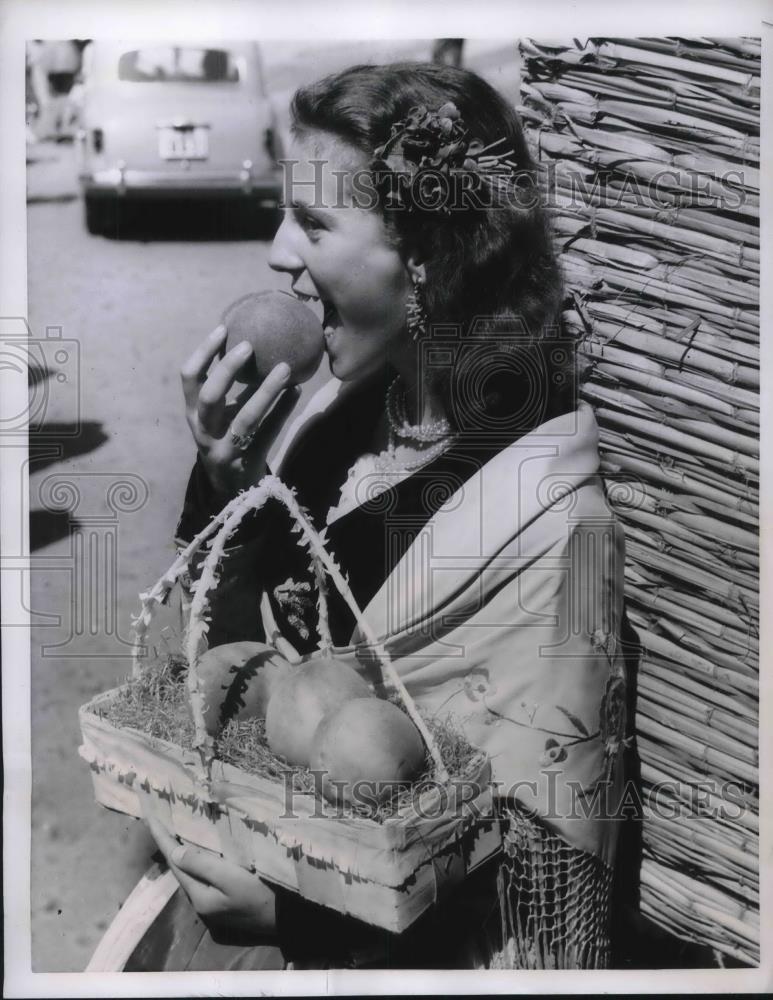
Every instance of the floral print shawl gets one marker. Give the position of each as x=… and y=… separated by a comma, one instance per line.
x=505, y=612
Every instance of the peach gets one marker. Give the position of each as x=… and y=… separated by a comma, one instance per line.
x=280, y=328
x=364, y=748
x=302, y=698
x=237, y=680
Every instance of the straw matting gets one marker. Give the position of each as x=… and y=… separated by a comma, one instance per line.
x=649, y=153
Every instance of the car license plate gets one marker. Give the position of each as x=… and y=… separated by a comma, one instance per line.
x=183, y=143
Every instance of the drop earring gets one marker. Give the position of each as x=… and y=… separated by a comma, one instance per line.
x=416, y=314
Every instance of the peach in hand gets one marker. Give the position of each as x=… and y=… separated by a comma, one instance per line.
x=279, y=328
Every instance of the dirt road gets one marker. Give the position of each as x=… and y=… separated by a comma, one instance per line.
x=116, y=318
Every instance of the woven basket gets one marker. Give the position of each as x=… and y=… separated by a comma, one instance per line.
x=384, y=873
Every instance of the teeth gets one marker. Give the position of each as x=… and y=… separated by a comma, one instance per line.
x=314, y=302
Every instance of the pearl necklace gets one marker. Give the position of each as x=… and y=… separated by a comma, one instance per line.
x=426, y=433
x=436, y=433
x=389, y=461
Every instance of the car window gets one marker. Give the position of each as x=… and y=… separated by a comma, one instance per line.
x=178, y=64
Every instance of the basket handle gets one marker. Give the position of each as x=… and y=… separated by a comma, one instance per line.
x=158, y=593
x=222, y=527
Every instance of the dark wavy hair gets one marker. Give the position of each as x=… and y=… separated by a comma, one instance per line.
x=491, y=271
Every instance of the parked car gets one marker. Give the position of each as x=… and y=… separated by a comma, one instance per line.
x=174, y=120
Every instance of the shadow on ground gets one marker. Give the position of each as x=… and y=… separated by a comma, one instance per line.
x=49, y=526
x=57, y=442
x=50, y=444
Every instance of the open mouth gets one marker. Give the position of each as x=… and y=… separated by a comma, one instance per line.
x=314, y=302
x=323, y=309
x=330, y=319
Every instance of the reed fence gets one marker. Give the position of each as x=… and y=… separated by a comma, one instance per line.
x=648, y=151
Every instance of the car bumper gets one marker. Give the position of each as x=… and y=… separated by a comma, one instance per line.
x=145, y=183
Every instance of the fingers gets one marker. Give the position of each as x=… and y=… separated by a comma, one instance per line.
x=221, y=888
x=205, y=899
x=241, y=397
x=194, y=371
x=276, y=419
x=259, y=403
x=212, y=395
x=203, y=894
x=207, y=868
x=170, y=847
x=216, y=887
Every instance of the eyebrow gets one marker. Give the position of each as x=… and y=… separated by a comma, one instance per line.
x=320, y=213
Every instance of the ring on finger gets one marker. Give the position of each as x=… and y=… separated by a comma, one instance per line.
x=242, y=441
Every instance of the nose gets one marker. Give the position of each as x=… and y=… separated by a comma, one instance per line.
x=283, y=255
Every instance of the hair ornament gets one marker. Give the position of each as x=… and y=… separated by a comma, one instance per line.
x=439, y=143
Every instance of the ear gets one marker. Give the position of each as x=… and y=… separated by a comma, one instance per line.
x=416, y=269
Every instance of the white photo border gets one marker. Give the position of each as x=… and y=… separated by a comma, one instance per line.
x=22, y=19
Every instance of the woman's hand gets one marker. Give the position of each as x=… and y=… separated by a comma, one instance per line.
x=219, y=890
x=233, y=438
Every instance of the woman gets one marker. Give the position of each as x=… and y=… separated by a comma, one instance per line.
x=451, y=425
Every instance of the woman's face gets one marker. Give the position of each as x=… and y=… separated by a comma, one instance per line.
x=338, y=253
